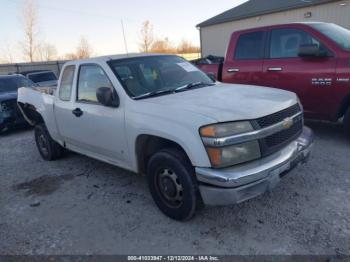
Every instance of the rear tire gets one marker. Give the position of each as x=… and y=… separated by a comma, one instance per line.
x=48, y=148
x=346, y=122
x=172, y=183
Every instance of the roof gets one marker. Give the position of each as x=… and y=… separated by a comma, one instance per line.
x=254, y=8
x=114, y=57
x=34, y=72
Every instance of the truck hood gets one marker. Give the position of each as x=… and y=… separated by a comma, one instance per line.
x=4, y=96
x=227, y=102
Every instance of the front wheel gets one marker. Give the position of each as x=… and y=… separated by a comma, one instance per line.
x=172, y=183
x=48, y=148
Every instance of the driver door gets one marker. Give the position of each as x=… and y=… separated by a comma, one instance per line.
x=311, y=78
x=91, y=128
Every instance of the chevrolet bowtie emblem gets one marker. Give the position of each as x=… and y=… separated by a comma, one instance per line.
x=288, y=123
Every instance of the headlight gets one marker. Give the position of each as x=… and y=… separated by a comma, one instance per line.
x=233, y=154
x=226, y=129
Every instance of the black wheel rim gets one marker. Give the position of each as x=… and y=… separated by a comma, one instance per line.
x=169, y=188
x=43, y=144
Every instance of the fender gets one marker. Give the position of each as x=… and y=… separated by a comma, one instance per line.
x=344, y=105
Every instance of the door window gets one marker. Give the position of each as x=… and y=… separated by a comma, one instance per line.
x=66, y=83
x=250, y=46
x=91, y=77
x=285, y=43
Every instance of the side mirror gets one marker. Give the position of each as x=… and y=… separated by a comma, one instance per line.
x=311, y=50
x=107, y=97
x=211, y=75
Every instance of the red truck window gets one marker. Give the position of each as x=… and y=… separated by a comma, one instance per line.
x=285, y=43
x=250, y=46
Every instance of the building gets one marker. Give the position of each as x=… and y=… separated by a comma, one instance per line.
x=215, y=32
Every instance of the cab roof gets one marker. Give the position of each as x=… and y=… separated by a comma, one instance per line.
x=113, y=57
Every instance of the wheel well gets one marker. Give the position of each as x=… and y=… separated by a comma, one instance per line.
x=343, y=107
x=147, y=145
x=30, y=114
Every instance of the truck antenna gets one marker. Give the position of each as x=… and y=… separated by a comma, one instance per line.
x=125, y=43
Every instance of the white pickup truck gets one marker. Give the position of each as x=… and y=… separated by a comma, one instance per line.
x=196, y=140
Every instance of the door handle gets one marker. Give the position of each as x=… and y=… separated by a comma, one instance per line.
x=233, y=70
x=274, y=69
x=77, y=112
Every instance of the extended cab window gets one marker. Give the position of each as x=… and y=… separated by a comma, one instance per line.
x=91, y=77
x=285, y=43
x=250, y=46
x=66, y=83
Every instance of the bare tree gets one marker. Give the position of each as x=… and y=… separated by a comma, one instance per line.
x=84, y=49
x=186, y=47
x=47, y=52
x=70, y=56
x=7, y=54
x=163, y=46
x=146, y=37
x=29, y=19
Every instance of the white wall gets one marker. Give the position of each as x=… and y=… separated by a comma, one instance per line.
x=214, y=39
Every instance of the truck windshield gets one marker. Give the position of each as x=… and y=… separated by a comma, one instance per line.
x=338, y=34
x=147, y=76
x=11, y=83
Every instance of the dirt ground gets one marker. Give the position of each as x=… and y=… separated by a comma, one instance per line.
x=78, y=205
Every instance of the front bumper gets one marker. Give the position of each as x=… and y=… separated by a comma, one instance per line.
x=239, y=183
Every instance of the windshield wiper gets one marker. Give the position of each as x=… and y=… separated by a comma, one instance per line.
x=193, y=85
x=172, y=91
x=154, y=93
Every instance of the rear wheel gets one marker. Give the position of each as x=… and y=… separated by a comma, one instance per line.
x=48, y=148
x=172, y=184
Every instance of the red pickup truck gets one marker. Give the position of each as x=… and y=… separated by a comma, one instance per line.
x=310, y=59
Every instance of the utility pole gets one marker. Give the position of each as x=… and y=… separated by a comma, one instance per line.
x=125, y=43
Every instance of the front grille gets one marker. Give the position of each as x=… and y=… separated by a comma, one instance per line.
x=277, y=141
x=278, y=117
x=284, y=135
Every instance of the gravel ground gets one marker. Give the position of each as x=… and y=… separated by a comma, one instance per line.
x=78, y=205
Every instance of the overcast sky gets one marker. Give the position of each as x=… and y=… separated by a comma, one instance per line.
x=62, y=22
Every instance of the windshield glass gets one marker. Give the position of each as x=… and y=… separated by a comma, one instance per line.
x=12, y=83
x=338, y=34
x=144, y=75
x=42, y=77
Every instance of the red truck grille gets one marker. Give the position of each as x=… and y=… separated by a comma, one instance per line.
x=277, y=141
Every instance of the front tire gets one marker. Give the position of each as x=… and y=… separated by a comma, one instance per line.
x=48, y=148
x=172, y=183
